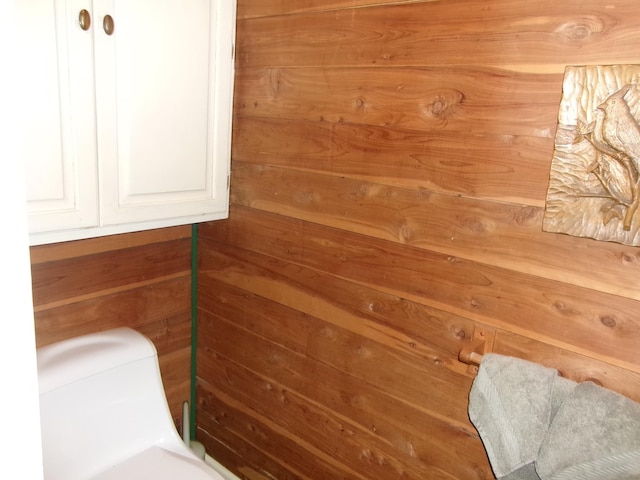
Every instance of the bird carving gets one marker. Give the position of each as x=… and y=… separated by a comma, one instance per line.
x=616, y=134
x=613, y=169
x=615, y=138
x=620, y=129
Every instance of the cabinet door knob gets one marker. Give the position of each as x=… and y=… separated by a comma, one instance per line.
x=84, y=19
x=108, y=24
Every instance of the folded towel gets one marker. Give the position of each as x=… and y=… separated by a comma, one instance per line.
x=511, y=404
x=536, y=425
x=595, y=435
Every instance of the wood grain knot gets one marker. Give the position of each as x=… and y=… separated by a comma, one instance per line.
x=580, y=30
x=608, y=322
x=527, y=216
x=405, y=233
x=628, y=259
x=438, y=106
x=375, y=306
x=461, y=333
x=443, y=104
x=475, y=225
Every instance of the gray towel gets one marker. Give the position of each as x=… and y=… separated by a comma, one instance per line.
x=511, y=404
x=536, y=425
x=594, y=436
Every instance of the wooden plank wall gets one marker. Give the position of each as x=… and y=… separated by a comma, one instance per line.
x=389, y=171
x=139, y=280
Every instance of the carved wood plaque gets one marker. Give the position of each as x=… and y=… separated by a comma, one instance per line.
x=594, y=185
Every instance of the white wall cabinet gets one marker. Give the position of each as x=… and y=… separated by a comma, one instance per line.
x=133, y=125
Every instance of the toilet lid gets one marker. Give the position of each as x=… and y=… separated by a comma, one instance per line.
x=159, y=464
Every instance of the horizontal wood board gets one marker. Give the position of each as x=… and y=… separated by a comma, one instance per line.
x=389, y=171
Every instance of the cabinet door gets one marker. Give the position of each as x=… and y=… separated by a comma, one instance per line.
x=163, y=81
x=60, y=155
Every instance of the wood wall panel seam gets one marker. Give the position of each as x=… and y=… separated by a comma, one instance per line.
x=278, y=429
x=386, y=437
x=372, y=326
x=352, y=447
x=270, y=9
x=455, y=99
x=479, y=230
x=86, y=274
x=429, y=32
x=234, y=455
x=479, y=167
x=92, y=246
x=506, y=303
x=408, y=394
x=109, y=291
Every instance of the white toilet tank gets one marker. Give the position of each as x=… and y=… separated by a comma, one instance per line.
x=103, y=408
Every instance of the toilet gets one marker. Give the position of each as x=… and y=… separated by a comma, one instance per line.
x=104, y=414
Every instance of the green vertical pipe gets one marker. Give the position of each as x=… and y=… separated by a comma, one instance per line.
x=194, y=327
